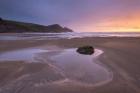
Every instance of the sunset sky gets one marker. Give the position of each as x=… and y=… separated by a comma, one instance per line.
x=79, y=15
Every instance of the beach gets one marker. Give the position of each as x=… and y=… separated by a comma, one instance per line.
x=119, y=63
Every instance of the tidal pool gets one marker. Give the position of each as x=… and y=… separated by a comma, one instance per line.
x=76, y=68
x=82, y=68
x=20, y=55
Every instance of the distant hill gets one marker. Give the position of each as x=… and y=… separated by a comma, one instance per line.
x=7, y=26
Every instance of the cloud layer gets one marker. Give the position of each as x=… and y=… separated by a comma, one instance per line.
x=81, y=15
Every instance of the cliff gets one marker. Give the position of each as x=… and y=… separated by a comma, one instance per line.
x=7, y=26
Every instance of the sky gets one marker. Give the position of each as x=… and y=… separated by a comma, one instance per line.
x=79, y=15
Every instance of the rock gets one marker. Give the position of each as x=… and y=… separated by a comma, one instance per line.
x=67, y=29
x=1, y=19
x=55, y=27
x=8, y=26
x=87, y=50
x=58, y=28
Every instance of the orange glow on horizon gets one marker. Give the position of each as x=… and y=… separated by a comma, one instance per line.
x=124, y=24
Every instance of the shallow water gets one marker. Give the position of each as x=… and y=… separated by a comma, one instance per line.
x=81, y=68
x=76, y=68
x=20, y=55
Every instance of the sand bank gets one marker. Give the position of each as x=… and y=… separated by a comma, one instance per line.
x=121, y=56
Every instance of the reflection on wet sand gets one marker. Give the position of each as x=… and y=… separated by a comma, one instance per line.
x=52, y=70
x=81, y=68
x=21, y=55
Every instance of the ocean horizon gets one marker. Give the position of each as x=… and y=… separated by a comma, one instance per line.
x=66, y=35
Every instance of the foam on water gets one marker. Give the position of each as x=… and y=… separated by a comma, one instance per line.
x=68, y=35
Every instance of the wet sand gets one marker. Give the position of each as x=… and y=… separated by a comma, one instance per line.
x=121, y=57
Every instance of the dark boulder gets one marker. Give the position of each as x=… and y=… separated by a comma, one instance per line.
x=1, y=19
x=57, y=28
x=54, y=27
x=67, y=29
x=87, y=50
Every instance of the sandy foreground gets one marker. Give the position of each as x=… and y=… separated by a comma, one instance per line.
x=121, y=57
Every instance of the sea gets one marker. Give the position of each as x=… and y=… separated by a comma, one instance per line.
x=67, y=35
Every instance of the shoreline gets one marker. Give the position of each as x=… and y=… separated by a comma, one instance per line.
x=120, y=55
